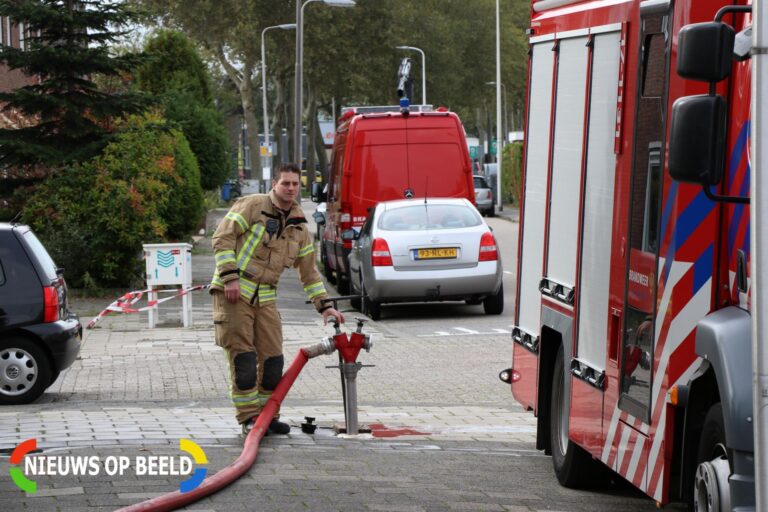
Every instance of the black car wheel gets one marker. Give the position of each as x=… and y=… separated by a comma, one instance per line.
x=494, y=304
x=25, y=371
x=371, y=308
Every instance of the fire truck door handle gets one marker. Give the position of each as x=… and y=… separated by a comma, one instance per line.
x=614, y=335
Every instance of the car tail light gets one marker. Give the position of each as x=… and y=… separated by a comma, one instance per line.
x=50, y=304
x=488, y=250
x=380, y=256
x=488, y=194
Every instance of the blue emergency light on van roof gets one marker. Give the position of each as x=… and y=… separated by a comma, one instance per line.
x=405, y=103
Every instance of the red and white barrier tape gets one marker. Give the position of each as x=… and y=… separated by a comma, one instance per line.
x=125, y=303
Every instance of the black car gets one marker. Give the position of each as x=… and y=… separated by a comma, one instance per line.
x=39, y=337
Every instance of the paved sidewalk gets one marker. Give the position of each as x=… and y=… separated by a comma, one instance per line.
x=447, y=435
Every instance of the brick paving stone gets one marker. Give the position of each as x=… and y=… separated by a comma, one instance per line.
x=138, y=391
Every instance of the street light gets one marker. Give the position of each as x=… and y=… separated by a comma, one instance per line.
x=298, y=99
x=423, y=71
x=506, y=106
x=498, y=111
x=285, y=26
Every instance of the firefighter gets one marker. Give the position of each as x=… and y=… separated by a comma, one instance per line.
x=261, y=235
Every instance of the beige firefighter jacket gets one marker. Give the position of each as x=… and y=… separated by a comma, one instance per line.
x=255, y=242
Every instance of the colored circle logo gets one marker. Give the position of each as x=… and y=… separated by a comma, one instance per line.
x=17, y=474
x=199, y=457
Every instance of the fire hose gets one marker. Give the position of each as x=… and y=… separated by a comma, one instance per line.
x=349, y=348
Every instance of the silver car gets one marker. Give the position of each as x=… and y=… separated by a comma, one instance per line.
x=420, y=250
x=484, y=196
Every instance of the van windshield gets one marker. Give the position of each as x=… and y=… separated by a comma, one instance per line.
x=430, y=216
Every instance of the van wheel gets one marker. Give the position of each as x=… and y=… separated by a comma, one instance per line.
x=342, y=285
x=494, y=304
x=573, y=466
x=327, y=270
x=25, y=371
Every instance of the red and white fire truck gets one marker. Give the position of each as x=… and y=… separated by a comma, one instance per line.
x=632, y=329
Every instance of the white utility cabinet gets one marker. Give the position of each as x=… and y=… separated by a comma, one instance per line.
x=169, y=265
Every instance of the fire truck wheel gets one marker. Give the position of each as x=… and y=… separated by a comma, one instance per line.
x=711, y=488
x=494, y=304
x=573, y=466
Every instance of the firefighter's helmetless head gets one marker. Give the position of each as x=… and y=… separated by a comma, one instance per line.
x=287, y=184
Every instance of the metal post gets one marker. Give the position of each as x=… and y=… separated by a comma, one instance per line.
x=759, y=237
x=498, y=112
x=267, y=161
x=298, y=93
x=350, y=405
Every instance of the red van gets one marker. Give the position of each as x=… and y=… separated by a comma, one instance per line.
x=382, y=156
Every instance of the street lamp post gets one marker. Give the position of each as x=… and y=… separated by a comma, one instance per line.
x=298, y=94
x=423, y=71
x=506, y=107
x=498, y=112
x=286, y=26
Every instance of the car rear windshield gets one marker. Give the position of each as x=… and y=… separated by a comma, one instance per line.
x=480, y=183
x=38, y=250
x=430, y=216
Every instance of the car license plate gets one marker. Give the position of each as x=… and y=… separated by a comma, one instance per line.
x=435, y=254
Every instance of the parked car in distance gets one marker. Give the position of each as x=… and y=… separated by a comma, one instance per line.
x=484, y=199
x=423, y=250
x=39, y=336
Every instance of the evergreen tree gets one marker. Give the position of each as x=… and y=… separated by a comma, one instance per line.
x=67, y=43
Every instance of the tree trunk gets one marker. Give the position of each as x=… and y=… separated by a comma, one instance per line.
x=252, y=126
x=277, y=123
x=322, y=157
x=311, y=125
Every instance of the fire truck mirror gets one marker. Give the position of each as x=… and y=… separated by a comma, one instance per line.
x=697, y=139
x=705, y=51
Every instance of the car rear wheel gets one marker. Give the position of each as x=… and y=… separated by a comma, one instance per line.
x=491, y=212
x=494, y=304
x=371, y=308
x=25, y=371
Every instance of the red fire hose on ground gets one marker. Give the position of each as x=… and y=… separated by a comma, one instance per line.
x=173, y=500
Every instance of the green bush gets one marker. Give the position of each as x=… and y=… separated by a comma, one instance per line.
x=204, y=129
x=512, y=172
x=175, y=74
x=94, y=217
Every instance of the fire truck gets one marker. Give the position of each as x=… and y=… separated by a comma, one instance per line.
x=632, y=335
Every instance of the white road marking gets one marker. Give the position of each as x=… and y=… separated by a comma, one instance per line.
x=468, y=331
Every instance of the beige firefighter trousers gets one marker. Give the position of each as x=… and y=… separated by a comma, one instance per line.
x=252, y=339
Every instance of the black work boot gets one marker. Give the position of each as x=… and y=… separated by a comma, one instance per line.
x=275, y=427
x=278, y=427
